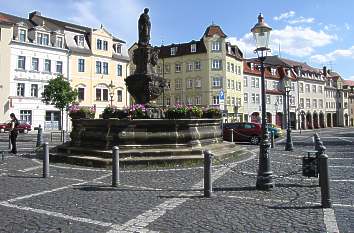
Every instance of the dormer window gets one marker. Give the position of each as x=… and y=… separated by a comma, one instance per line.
x=22, y=33
x=252, y=66
x=60, y=42
x=273, y=71
x=81, y=41
x=117, y=48
x=42, y=38
x=173, y=51
x=193, y=48
x=105, y=45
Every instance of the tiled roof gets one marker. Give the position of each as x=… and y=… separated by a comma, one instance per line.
x=182, y=49
x=11, y=19
x=214, y=29
x=234, y=51
x=349, y=82
x=304, y=66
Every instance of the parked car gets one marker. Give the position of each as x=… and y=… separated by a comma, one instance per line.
x=23, y=127
x=276, y=130
x=243, y=132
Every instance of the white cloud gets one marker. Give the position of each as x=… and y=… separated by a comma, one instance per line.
x=296, y=41
x=285, y=15
x=301, y=20
x=85, y=13
x=324, y=58
x=347, y=26
x=351, y=77
x=330, y=27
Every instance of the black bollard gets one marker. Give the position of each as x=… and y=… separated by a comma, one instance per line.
x=324, y=177
x=39, y=136
x=272, y=139
x=208, y=188
x=45, y=160
x=115, y=166
x=317, y=141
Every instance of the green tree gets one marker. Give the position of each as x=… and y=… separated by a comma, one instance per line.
x=59, y=93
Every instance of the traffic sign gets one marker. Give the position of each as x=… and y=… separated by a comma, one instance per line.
x=221, y=95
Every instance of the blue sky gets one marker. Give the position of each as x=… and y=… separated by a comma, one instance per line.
x=317, y=32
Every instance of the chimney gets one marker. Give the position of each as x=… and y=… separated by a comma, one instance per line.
x=325, y=71
x=30, y=15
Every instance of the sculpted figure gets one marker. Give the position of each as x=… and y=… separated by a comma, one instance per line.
x=144, y=27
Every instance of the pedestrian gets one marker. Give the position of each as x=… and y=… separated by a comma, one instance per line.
x=13, y=132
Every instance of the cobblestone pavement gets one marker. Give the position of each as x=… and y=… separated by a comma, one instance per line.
x=81, y=199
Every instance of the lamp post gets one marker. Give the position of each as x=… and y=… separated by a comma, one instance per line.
x=111, y=92
x=261, y=33
x=289, y=141
x=276, y=105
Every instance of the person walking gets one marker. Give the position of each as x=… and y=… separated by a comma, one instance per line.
x=13, y=132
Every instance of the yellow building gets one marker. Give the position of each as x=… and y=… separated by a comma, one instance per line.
x=198, y=71
x=98, y=63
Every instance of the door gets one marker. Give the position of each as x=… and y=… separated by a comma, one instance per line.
x=52, y=120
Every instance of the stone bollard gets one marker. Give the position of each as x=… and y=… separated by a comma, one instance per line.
x=45, y=160
x=271, y=139
x=324, y=177
x=232, y=135
x=115, y=166
x=39, y=136
x=208, y=188
x=317, y=140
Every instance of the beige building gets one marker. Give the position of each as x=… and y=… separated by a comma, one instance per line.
x=198, y=71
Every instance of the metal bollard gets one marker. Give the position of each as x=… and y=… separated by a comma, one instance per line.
x=115, y=166
x=208, y=189
x=10, y=145
x=317, y=140
x=324, y=178
x=2, y=155
x=45, y=160
x=39, y=136
x=272, y=139
x=232, y=135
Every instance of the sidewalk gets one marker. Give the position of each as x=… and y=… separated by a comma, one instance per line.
x=78, y=199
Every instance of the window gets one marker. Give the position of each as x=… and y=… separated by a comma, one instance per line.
x=105, y=67
x=215, y=46
x=105, y=45
x=314, y=103
x=293, y=86
x=308, y=103
x=252, y=66
x=81, y=93
x=99, y=44
x=34, y=90
x=253, y=97
x=189, y=100
x=320, y=103
x=216, y=82
x=101, y=94
x=81, y=65
x=216, y=64
x=42, y=38
x=233, y=101
x=168, y=101
x=198, y=100
x=117, y=48
x=232, y=68
x=273, y=71
x=81, y=41
x=177, y=68
x=21, y=89
x=119, y=95
x=307, y=88
x=314, y=88
x=21, y=62
x=47, y=65
x=198, y=83
x=119, y=70
x=26, y=115
x=257, y=98
x=98, y=67
x=59, y=67
x=228, y=66
x=60, y=42
x=216, y=100
x=178, y=84
x=228, y=101
x=245, y=81
x=189, y=83
x=228, y=84
x=301, y=87
x=35, y=64
x=292, y=100
x=320, y=89
x=189, y=66
x=268, y=99
x=173, y=51
x=168, y=85
x=253, y=82
x=197, y=65
x=257, y=82
x=232, y=84
x=301, y=103
x=245, y=97
x=22, y=36
x=193, y=48
x=167, y=68
x=275, y=84
x=279, y=100
x=238, y=69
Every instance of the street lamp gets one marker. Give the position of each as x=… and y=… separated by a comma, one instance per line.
x=289, y=141
x=111, y=92
x=261, y=33
x=276, y=105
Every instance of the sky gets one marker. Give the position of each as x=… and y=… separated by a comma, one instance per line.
x=318, y=32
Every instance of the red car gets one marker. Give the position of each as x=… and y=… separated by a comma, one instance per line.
x=243, y=132
x=23, y=127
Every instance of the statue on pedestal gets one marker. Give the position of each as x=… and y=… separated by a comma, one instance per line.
x=144, y=27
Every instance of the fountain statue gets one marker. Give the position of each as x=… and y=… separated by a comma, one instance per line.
x=145, y=84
